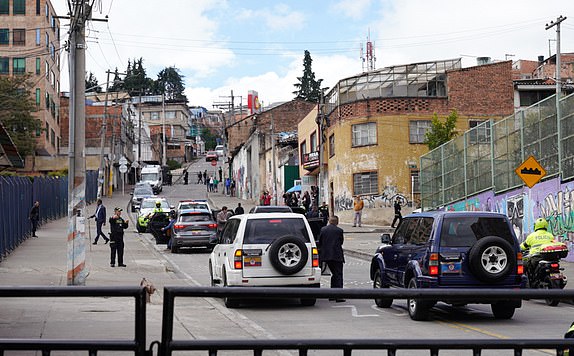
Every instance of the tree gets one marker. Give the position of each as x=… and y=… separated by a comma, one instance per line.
x=92, y=84
x=136, y=79
x=16, y=107
x=308, y=87
x=118, y=83
x=209, y=138
x=441, y=132
x=170, y=82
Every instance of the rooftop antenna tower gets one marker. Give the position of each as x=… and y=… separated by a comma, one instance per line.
x=368, y=57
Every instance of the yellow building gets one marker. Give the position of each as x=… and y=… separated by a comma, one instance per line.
x=374, y=126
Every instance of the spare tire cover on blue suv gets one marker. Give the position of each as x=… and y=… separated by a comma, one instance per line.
x=491, y=259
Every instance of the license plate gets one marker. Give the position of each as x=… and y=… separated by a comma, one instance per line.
x=450, y=267
x=556, y=276
x=253, y=261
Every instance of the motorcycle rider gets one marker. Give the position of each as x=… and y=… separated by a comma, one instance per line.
x=534, y=243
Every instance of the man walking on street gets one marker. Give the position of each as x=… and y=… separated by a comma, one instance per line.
x=100, y=216
x=117, y=227
x=35, y=217
x=398, y=215
x=239, y=210
x=358, y=208
x=199, y=178
x=331, y=252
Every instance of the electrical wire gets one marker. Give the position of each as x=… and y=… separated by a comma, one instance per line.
x=115, y=47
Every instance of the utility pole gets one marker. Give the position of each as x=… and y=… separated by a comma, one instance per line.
x=140, y=107
x=558, y=86
x=163, y=153
x=274, y=165
x=101, y=173
x=76, y=246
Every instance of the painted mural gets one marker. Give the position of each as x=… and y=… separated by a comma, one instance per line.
x=384, y=200
x=550, y=199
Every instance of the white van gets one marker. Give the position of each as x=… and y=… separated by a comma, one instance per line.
x=219, y=150
x=153, y=175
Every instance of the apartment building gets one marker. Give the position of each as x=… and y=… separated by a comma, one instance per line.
x=30, y=44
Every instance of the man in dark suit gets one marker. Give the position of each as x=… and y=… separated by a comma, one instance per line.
x=331, y=251
x=100, y=216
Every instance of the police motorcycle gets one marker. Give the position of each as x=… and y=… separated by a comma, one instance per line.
x=547, y=273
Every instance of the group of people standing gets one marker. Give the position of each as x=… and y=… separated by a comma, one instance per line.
x=212, y=182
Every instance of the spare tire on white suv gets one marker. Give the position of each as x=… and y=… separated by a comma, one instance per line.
x=267, y=249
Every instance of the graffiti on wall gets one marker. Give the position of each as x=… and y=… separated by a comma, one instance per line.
x=385, y=199
x=549, y=199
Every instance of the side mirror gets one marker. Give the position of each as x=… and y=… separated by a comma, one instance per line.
x=386, y=238
x=132, y=193
x=172, y=207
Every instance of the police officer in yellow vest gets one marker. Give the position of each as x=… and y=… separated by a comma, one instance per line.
x=534, y=243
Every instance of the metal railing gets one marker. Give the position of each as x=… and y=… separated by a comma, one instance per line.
x=92, y=346
x=347, y=346
x=167, y=345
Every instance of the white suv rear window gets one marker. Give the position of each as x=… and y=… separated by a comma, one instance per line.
x=265, y=231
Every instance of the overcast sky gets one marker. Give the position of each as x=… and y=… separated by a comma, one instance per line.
x=241, y=45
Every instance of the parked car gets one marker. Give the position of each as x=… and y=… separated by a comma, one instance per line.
x=448, y=250
x=147, y=207
x=194, y=228
x=270, y=209
x=141, y=191
x=219, y=150
x=193, y=205
x=268, y=249
x=211, y=156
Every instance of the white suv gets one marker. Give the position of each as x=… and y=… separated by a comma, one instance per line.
x=267, y=249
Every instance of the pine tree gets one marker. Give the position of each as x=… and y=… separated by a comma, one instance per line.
x=308, y=87
x=170, y=82
x=92, y=84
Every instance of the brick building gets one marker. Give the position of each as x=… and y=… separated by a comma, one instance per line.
x=376, y=124
x=30, y=43
x=254, y=151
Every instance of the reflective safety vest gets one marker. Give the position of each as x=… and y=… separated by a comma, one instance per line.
x=569, y=335
x=535, y=241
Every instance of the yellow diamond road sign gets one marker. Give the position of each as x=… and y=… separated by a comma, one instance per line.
x=530, y=171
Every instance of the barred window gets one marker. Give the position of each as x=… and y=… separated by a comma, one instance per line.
x=365, y=134
x=366, y=183
x=417, y=130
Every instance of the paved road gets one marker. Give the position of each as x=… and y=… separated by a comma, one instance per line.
x=42, y=261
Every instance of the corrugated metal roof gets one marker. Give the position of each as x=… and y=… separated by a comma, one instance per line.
x=9, y=156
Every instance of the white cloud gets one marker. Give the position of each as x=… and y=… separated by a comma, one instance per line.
x=355, y=9
x=278, y=18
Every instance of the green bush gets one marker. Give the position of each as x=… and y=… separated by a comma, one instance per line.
x=173, y=164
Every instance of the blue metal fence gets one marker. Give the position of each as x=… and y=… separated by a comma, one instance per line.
x=17, y=194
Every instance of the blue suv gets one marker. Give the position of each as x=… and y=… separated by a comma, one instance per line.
x=448, y=250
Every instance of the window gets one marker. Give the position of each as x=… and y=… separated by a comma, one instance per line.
x=19, y=65
x=4, y=36
x=170, y=115
x=52, y=51
x=38, y=65
x=332, y=145
x=38, y=8
x=47, y=131
x=302, y=150
x=417, y=130
x=47, y=10
x=19, y=37
x=47, y=37
x=47, y=101
x=38, y=97
x=52, y=137
x=52, y=79
x=19, y=7
x=4, y=7
x=421, y=233
x=365, y=134
x=313, y=141
x=38, y=37
x=4, y=65
x=365, y=183
x=154, y=115
x=47, y=67
x=480, y=134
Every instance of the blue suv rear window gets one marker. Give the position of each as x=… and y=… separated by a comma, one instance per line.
x=465, y=231
x=265, y=231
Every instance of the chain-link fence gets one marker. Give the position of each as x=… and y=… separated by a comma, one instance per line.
x=486, y=156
